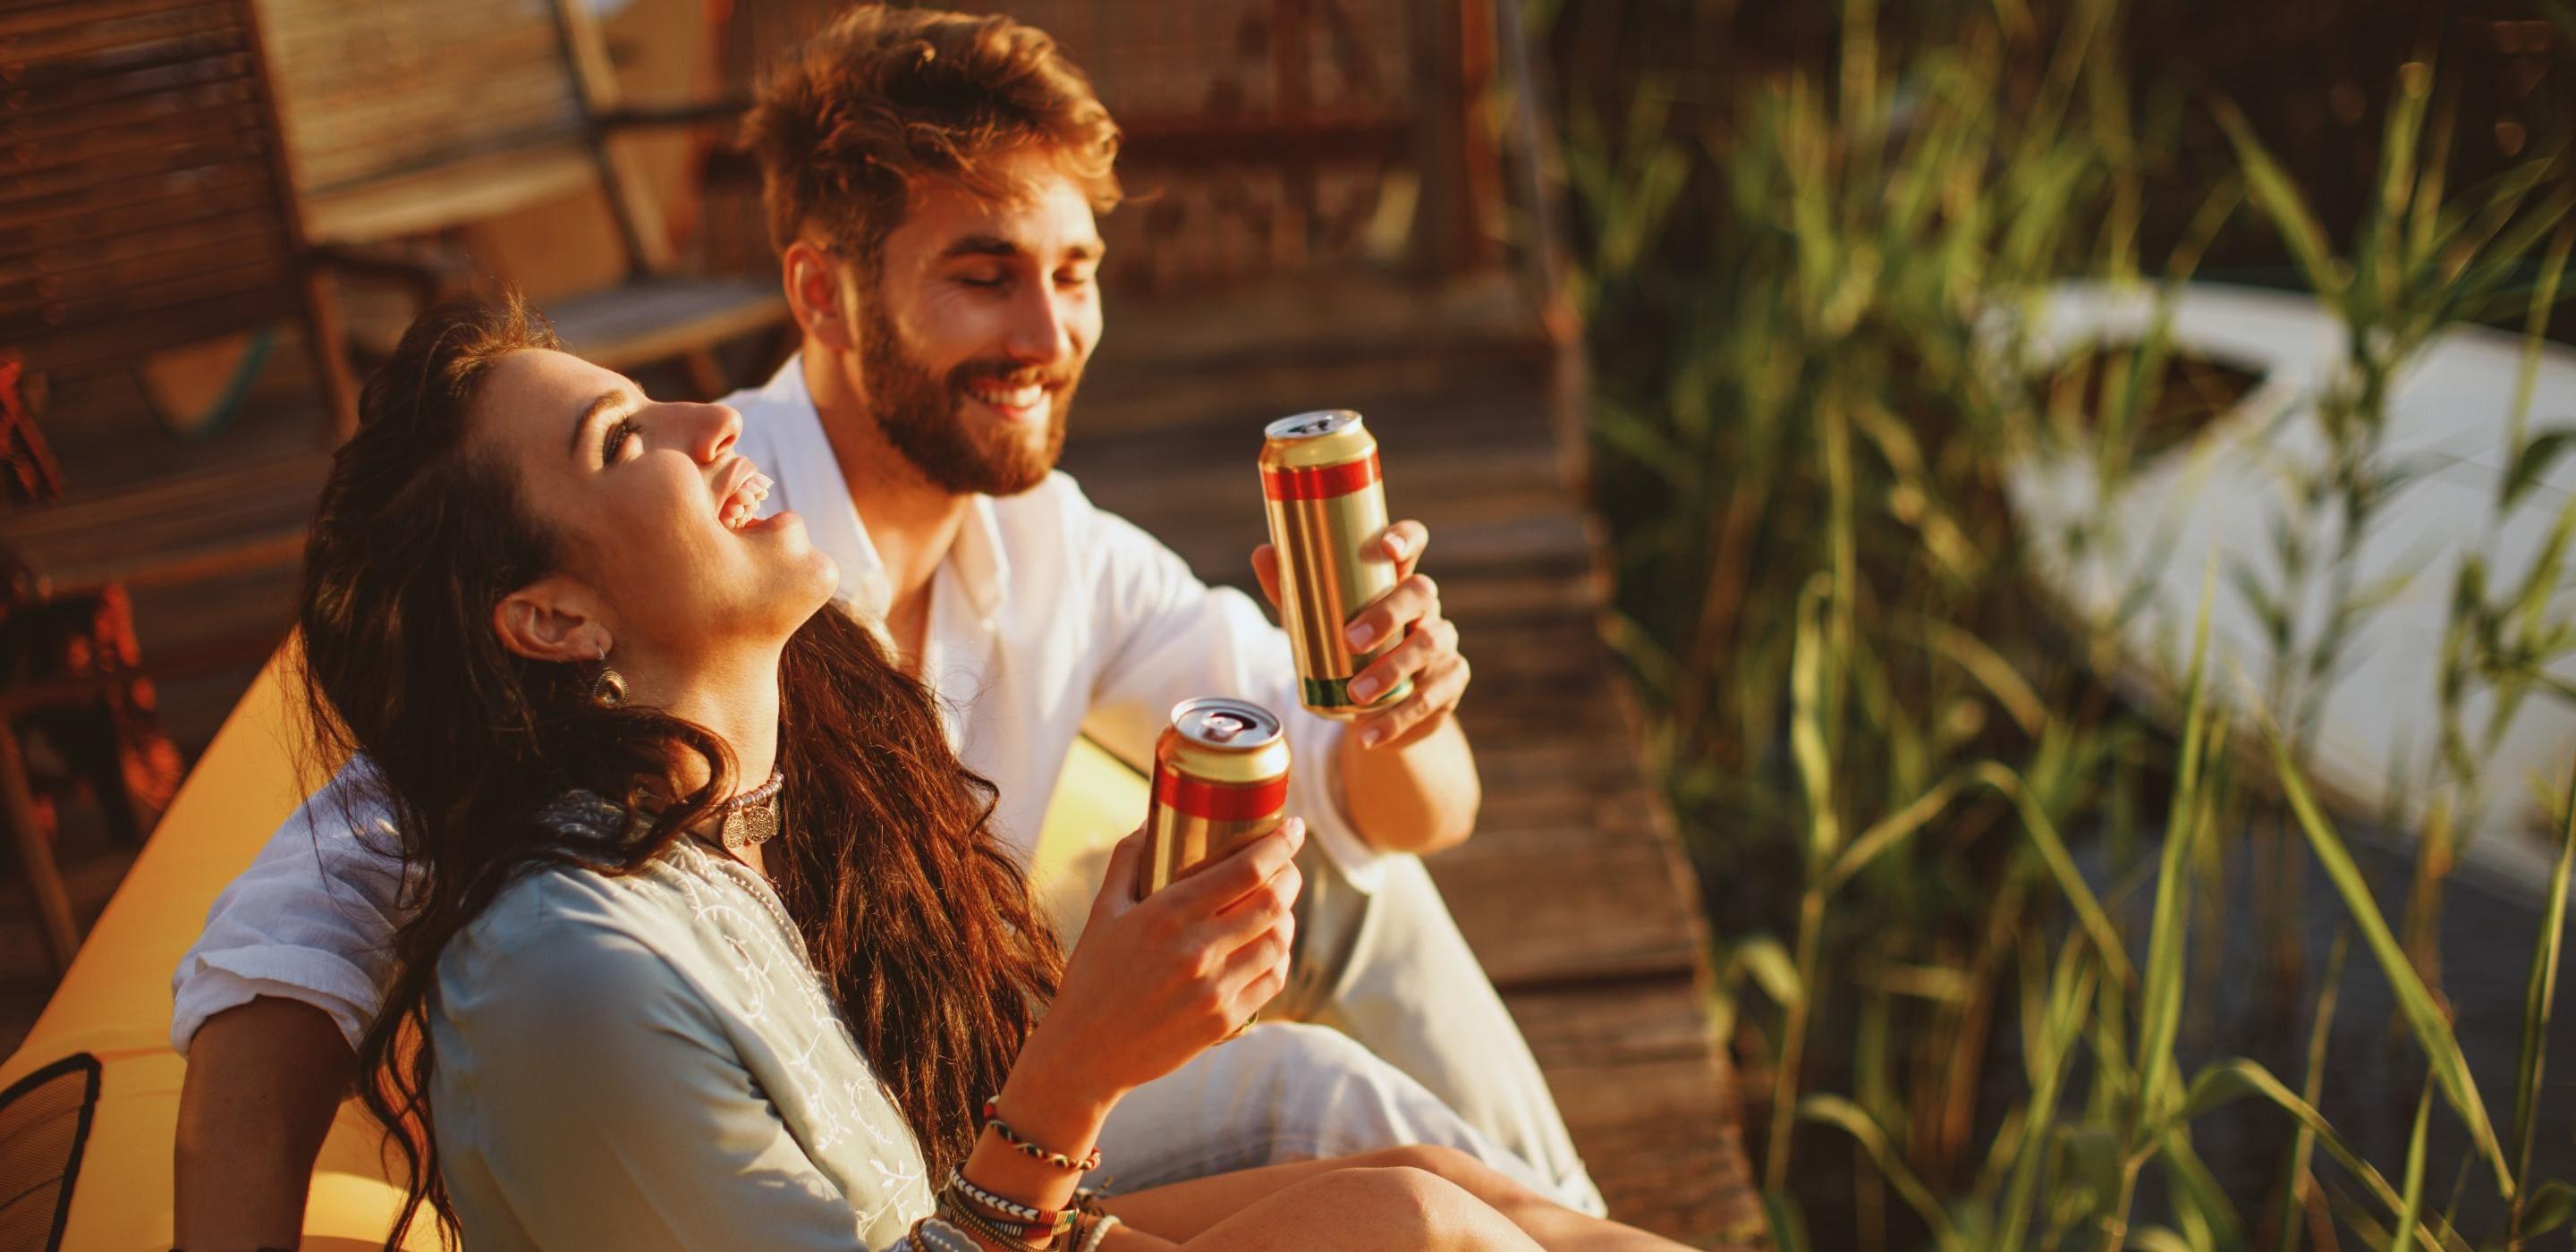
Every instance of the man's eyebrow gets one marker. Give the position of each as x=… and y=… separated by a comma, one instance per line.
x=997, y=246
x=980, y=245
x=590, y=413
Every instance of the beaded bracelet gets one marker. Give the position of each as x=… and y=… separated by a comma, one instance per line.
x=1025, y=1148
x=932, y=1234
x=1091, y=1239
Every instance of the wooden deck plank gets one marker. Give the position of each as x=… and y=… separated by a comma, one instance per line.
x=1629, y=1062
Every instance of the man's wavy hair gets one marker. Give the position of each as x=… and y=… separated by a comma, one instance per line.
x=845, y=121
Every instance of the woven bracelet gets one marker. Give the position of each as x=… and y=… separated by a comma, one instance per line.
x=1025, y=1148
x=1051, y=1221
x=978, y=1223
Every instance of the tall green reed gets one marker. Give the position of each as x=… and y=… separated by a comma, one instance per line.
x=1909, y=777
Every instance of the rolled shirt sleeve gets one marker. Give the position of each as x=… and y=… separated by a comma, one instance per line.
x=311, y=920
x=1165, y=637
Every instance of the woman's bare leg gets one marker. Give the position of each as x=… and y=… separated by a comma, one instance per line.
x=1183, y=1211
x=1386, y=1209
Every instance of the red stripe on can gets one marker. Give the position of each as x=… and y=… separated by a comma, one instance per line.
x=1219, y=802
x=1321, y=482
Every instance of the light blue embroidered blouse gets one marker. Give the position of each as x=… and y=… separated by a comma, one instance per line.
x=650, y=1061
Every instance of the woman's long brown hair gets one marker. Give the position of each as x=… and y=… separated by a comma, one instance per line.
x=918, y=921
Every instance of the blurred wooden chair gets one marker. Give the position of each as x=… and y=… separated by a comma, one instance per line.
x=408, y=119
x=146, y=206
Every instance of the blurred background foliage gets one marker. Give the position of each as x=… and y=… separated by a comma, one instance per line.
x=2009, y=954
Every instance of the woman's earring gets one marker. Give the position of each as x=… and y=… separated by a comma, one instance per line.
x=609, y=689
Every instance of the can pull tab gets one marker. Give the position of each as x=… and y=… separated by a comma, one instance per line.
x=1223, y=727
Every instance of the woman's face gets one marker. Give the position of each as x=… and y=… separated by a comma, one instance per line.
x=652, y=508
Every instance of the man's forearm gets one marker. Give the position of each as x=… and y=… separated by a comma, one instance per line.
x=1419, y=794
x=264, y=1081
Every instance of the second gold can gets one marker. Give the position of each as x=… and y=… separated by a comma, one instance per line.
x=1326, y=498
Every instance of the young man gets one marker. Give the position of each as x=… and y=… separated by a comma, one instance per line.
x=932, y=184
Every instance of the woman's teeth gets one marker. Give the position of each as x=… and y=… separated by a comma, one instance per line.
x=744, y=507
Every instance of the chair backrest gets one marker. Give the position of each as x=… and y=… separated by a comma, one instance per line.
x=408, y=116
x=146, y=201
x=1269, y=135
x=45, y=1121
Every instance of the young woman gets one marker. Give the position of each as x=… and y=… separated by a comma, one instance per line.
x=708, y=943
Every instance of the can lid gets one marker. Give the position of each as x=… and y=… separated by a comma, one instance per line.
x=1314, y=425
x=1224, y=724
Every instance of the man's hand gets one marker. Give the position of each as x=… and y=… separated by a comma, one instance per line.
x=1429, y=654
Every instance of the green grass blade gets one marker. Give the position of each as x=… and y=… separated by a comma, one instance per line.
x=2432, y=1030
x=1807, y=725
x=2412, y=1211
x=2535, y=331
x=1991, y=671
x=1788, y=1224
x=2060, y=1022
x=2224, y=1082
x=2538, y=994
x=2378, y=258
x=1851, y=1119
x=2303, y=1141
x=1892, y=829
x=2272, y=190
x=2198, y=1200
x=2552, y=1204
x=2160, y=1016
x=2061, y=866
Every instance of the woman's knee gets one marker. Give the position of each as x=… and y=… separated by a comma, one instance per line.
x=1416, y=1207
x=1455, y=1166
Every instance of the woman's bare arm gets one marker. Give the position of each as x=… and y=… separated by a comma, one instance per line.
x=264, y=1081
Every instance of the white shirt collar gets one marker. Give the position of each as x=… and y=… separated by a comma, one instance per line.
x=812, y=484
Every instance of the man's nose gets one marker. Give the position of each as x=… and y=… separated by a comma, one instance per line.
x=1042, y=329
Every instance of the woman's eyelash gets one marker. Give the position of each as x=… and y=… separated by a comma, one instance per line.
x=613, y=442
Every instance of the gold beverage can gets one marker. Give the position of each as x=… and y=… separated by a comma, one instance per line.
x=1220, y=780
x=1326, y=498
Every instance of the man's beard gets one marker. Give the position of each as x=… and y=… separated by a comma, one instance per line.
x=920, y=416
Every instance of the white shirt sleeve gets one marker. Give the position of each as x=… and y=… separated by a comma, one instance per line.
x=593, y=1096
x=311, y=920
x=1162, y=637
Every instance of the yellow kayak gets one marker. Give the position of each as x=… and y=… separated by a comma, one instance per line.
x=91, y=1099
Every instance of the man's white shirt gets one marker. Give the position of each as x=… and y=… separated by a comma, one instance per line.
x=1049, y=619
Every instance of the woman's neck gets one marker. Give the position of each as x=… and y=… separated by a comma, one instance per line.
x=733, y=695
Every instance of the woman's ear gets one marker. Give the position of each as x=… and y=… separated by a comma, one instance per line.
x=813, y=285
x=553, y=619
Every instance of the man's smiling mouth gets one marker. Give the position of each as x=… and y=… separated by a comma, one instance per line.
x=1008, y=398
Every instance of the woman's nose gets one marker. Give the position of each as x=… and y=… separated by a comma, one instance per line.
x=712, y=429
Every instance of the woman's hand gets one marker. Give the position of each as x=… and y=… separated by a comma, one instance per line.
x=1156, y=981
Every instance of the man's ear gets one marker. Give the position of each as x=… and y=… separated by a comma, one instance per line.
x=553, y=619
x=813, y=284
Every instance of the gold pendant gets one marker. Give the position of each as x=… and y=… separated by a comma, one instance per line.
x=751, y=824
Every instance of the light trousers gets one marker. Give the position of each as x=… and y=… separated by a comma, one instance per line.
x=1420, y=1050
